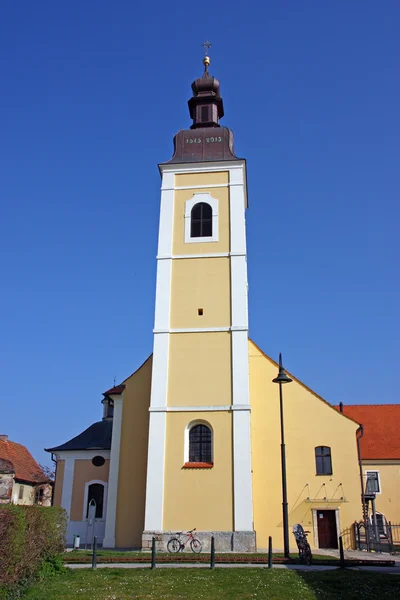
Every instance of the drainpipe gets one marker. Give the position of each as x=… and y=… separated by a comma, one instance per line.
x=364, y=507
x=55, y=479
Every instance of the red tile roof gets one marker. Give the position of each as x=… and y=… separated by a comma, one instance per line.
x=117, y=389
x=381, y=429
x=24, y=465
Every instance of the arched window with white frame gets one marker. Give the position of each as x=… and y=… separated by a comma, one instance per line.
x=201, y=219
x=199, y=444
x=95, y=490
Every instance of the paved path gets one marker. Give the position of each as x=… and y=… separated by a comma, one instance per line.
x=388, y=570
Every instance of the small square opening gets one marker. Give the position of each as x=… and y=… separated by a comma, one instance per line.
x=200, y=312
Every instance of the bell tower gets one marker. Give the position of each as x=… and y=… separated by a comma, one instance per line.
x=199, y=453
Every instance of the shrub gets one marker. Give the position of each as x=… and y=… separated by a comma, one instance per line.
x=31, y=539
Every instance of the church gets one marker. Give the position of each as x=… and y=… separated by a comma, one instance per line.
x=192, y=438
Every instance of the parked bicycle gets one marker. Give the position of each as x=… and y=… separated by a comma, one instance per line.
x=178, y=543
x=300, y=535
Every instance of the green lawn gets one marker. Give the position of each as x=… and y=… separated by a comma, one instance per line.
x=221, y=584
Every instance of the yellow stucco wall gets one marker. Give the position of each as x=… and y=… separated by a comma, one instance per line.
x=309, y=422
x=85, y=471
x=388, y=501
x=59, y=482
x=133, y=458
x=179, y=246
x=219, y=178
x=200, y=283
x=195, y=359
x=200, y=498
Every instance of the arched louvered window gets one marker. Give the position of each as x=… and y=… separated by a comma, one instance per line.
x=96, y=492
x=201, y=220
x=200, y=444
x=323, y=460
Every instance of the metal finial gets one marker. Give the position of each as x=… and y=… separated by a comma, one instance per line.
x=206, y=60
x=115, y=380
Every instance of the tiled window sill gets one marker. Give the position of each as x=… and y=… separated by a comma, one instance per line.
x=198, y=465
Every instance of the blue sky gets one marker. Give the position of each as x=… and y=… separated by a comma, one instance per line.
x=92, y=94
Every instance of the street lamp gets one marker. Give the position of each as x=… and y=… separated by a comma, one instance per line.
x=281, y=379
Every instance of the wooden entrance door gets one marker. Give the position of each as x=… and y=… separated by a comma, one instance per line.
x=327, y=532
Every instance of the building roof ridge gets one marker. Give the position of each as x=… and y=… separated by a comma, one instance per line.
x=302, y=384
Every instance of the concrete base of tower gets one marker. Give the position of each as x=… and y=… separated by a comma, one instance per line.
x=225, y=541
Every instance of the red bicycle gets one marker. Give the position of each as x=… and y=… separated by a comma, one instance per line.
x=178, y=543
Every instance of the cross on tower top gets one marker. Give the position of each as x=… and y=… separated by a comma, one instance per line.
x=206, y=45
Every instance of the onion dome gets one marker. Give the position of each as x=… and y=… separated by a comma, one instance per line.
x=206, y=106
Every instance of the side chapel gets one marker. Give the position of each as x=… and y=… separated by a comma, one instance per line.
x=192, y=437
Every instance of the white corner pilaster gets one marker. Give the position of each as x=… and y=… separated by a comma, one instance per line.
x=112, y=494
x=155, y=472
x=68, y=482
x=159, y=378
x=242, y=479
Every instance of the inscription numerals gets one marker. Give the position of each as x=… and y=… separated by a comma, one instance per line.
x=208, y=140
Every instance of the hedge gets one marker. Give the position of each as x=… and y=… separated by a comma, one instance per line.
x=30, y=536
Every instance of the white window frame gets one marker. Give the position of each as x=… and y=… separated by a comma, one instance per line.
x=189, y=204
x=190, y=426
x=379, y=479
x=86, y=495
x=384, y=522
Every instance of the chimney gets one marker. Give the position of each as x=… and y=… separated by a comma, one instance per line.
x=4, y=437
x=341, y=406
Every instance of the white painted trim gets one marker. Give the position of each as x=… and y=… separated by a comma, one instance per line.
x=189, y=204
x=239, y=305
x=190, y=426
x=159, y=376
x=242, y=478
x=315, y=527
x=68, y=481
x=225, y=407
x=81, y=454
x=237, y=166
x=112, y=496
x=155, y=472
x=211, y=255
x=163, y=294
x=201, y=329
x=166, y=220
x=315, y=523
x=237, y=203
x=198, y=187
x=208, y=167
x=85, y=498
x=338, y=529
x=240, y=367
x=379, y=478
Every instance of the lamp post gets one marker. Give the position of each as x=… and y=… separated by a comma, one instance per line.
x=281, y=379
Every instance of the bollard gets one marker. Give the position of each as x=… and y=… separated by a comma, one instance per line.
x=153, y=552
x=270, y=552
x=212, y=557
x=94, y=556
x=341, y=552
